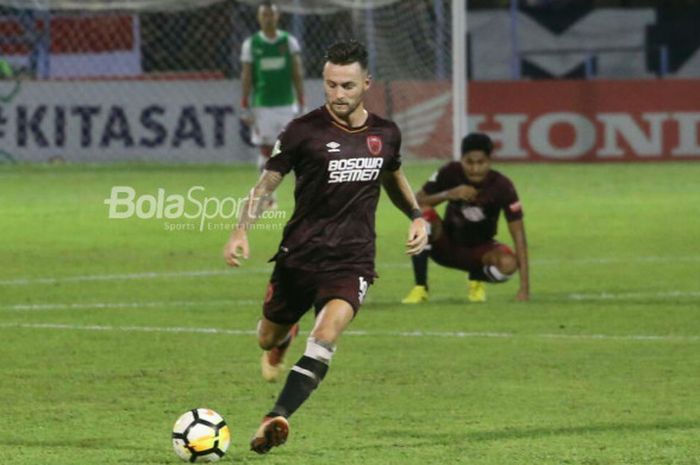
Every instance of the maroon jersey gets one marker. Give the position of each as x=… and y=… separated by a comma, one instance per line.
x=473, y=223
x=338, y=172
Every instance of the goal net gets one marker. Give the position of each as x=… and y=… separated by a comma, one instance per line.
x=158, y=80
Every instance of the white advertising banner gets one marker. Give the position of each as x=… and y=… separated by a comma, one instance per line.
x=95, y=121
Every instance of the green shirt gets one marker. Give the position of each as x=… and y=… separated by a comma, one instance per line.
x=271, y=63
x=5, y=69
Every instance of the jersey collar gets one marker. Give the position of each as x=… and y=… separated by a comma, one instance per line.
x=345, y=127
x=267, y=39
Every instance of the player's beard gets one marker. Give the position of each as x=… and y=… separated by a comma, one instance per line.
x=349, y=109
x=343, y=114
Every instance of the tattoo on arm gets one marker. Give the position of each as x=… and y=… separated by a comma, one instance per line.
x=266, y=185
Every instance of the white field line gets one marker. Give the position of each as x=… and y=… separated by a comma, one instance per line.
x=633, y=295
x=119, y=277
x=258, y=302
x=268, y=269
x=604, y=260
x=396, y=334
x=119, y=305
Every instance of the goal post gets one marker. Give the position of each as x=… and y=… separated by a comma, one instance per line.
x=459, y=75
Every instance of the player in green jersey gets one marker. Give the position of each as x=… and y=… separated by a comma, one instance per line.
x=272, y=73
x=5, y=69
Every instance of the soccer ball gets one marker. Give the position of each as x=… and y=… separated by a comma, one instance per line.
x=201, y=435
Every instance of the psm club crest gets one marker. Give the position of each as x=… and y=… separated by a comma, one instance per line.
x=374, y=144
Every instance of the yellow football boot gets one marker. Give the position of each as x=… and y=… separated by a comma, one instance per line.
x=418, y=295
x=477, y=291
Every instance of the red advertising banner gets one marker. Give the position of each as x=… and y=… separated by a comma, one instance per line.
x=592, y=121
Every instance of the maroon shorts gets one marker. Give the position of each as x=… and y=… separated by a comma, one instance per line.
x=292, y=292
x=451, y=255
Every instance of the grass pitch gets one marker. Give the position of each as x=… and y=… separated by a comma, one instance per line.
x=112, y=328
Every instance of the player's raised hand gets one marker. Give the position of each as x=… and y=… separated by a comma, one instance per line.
x=417, y=236
x=464, y=192
x=236, y=248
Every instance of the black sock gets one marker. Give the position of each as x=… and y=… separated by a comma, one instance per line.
x=478, y=275
x=304, y=377
x=420, y=268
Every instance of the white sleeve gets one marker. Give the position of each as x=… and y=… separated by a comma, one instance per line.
x=246, y=55
x=293, y=44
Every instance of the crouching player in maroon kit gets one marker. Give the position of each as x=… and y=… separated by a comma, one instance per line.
x=464, y=240
x=340, y=154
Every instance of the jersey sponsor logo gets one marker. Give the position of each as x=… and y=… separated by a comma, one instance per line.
x=333, y=146
x=515, y=206
x=272, y=63
x=473, y=214
x=354, y=169
x=374, y=144
x=363, y=287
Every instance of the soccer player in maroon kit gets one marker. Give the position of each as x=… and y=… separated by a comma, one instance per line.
x=340, y=154
x=464, y=240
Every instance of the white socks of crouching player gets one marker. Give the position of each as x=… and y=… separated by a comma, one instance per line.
x=304, y=377
x=494, y=274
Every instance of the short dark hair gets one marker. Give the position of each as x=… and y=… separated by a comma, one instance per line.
x=477, y=141
x=346, y=53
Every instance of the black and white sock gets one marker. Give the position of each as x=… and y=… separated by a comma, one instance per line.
x=304, y=377
x=489, y=273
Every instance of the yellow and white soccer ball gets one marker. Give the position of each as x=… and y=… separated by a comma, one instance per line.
x=201, y=435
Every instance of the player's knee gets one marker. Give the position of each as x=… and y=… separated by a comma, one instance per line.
x=325, y=335
x=332, y=320
x=507, y=264
x=266, y=341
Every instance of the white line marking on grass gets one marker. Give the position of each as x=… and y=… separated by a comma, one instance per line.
x=606, y=260
x=266, y=270
x=117, y=305
x=258, y=302
x=633, y=295
x=121, y=277
x=413, y=334
x=135, y=329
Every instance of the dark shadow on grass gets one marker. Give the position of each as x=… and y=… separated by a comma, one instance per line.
x=85, y=443
x=543, y=432
x=414, y=439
